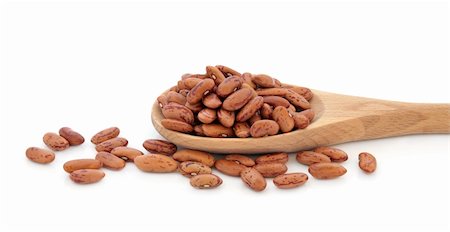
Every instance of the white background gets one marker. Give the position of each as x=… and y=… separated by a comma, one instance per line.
x=91, y=65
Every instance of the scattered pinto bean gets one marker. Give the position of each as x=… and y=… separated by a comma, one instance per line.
x=367, y=162
x=326, y=170
x=253, y=179
x=159, y=146
x=40, y=155
x=126, y=153
x=77, y=164
x=205, y=181
x=310, y=157
x=55, y=141
x=229, y=167
x=291, y=180
x=108, y=145
x=271, y=169
x=105, y=134
x=194, y=155
x=336, y=155
x=74, y=138
x=280, y=157
x=87, y=176
x=192, y=168
x=110, y=161
x=241, y=159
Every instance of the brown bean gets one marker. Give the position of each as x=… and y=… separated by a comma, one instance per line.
x=300, y=121
x=292, y=109
x=74, y=138
x=198, y=130
x=39, y=155
x=250, y=109
x=272, y=92
x=108, y=145
x=279, y=157
x=162, y=100
x=281, y=115
x=237, y=99
x=256, y=117
x=194, y=107
x=160, y=146
x=78, y=164
x=207, y=115
x=247, y=79
x=173, y=96
x=110, y=161
x=277, y=83
x=105, y=134
x=176, y=125
x=228, y=86
x=326, y=170
x=290, y=180
x=276, y=101
x=305, y=92
x=126, y=153
x=212, y=101
x=178, y=112
x=190, y=82
x=194, y=155
x=310, y=157
x=266, y=111
x=156, y=163
x=241, y=159
x=264, y=127
x=247, y=86
x=185, y=76
x=205, y=181
x=55, y=141
x=229, y=167
x=215, y=74
x=367, y=162
x=241, y=130
x=309, y=113
x=253, y=179
x=271, y=169
x=297, y=100
x=335, y=154
x=87, y=176
x=184, y=92
x=217, y=131
x=196, y=94
x=188, y=75
x=263, y=80
x=192, y=168
x=180, y=85
x=226, y=118
x=227, y=71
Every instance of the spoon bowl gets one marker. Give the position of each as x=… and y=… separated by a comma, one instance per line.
x=339, y=119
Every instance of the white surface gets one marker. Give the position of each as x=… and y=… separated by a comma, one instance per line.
x=95, y=65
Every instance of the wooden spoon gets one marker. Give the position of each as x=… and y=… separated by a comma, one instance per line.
x=339, y=119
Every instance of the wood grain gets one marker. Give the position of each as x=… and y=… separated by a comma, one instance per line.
x=339, y=119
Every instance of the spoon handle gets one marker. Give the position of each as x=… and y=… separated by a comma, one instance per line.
x=407, y=118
